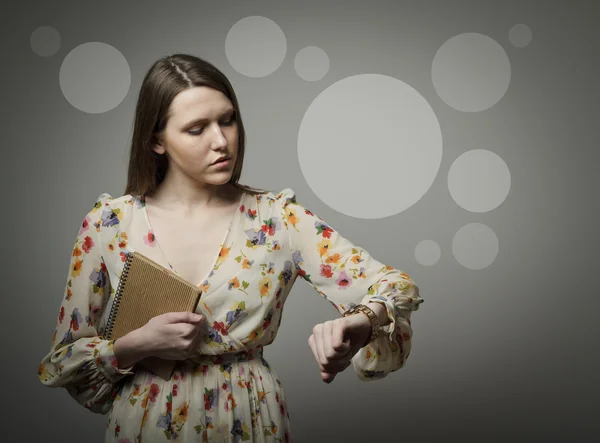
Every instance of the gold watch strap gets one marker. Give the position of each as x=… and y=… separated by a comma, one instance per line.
x=372, y=318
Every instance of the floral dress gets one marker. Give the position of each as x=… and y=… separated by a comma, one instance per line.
x=226, y=391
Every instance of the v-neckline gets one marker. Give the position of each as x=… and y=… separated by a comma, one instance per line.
x=232, y=225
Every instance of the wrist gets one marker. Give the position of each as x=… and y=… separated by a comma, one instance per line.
x=381, y=312
x=370, y=321
x=130, y=349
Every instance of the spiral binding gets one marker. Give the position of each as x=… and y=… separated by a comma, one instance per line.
x=117, y=300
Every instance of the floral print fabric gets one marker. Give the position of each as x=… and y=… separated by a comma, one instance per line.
x=226, y=391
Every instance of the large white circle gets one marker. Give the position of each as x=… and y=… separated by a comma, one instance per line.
x=95, y=77
x=479, y=180
x=475, y=246
x=255, y=46
x=370, y=146
x=471, y=72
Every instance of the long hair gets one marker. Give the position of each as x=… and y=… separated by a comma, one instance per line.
x=166, y=78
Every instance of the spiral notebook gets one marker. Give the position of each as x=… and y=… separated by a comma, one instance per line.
x=145, y=290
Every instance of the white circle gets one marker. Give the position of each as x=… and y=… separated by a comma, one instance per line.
x=95, y=77
x=520, y=35
x=475, y=246
x=255, y=46
x=370, y=146
x=471, y=72
x=311, y=63
x=428, y=252
x=45, y=41
x=479, y=180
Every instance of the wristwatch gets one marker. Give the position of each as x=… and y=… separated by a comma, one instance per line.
x=372, y=318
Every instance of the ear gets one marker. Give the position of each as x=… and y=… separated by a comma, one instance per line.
x=159, y=149
x=157, y=145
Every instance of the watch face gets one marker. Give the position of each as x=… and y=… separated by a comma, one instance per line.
x=352, y=310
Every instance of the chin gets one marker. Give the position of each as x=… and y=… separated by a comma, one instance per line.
x=221, y=178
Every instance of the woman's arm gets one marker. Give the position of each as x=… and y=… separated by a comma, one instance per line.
x=346, y=274
x=79, y=359
x=129, y=349
x=380, y=311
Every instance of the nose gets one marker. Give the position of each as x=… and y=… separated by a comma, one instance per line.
x=218, y=139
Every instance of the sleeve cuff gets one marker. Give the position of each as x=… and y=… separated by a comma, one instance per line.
x=387, y=330
x=107, y=364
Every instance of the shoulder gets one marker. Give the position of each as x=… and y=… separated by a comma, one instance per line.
x=108, y=210
x=278, y=198
x=107, y=201
x=272, y=203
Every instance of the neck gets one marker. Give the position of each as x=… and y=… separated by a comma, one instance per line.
x=190, y=195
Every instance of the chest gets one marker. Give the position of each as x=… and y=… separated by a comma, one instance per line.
x=190, y=246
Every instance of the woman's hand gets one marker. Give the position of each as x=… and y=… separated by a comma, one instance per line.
x=335, y=342
x=172, y=336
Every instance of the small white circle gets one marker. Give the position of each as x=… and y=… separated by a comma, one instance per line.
x=475, y=246
x=520, y=35
x=471, y=72
x=45, y=41
x=95, y=77
x=427, y=252
x=255, y=46
x=311, y=63
x=479, y=180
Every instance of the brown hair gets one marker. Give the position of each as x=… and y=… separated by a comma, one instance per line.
x=166, y=78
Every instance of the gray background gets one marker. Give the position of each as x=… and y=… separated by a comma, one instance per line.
x=506, y=353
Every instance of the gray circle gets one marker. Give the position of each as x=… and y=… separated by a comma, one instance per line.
x=479, y=180
x=471, y=72
x=520, y=35
x=45, y=41
x=376, y=138
x=255, y=46
x=95, y=77
x=311, y=63
x=475, y=246
x=428, y=252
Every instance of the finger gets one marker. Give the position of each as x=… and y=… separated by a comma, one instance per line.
x=191, y=332
x=332, y=333
x=197, y=340
x=195, y=318
x=198, y=332
x=319, y=337
x=331, y=365
x=327, y=377
x=182, y=317
x=339, y=346
x=313, y=348
x=336, y=360
x=328, y=351
x=195, y=325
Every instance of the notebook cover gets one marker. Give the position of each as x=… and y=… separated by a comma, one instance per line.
x=145, y=290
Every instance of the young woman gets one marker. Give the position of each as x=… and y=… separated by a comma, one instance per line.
x=184, y=208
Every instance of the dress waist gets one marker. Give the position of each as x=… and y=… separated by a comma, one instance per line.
x=226, y=357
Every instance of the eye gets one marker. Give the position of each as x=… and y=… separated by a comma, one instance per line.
x=231, y=120
x=228, y=122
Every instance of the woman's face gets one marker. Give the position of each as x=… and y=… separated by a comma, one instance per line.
x=202, y=128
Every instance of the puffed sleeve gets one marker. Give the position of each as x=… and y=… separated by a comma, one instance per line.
x=82, y=361
x=346, y=274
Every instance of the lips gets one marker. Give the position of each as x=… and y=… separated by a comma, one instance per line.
x=220, y=159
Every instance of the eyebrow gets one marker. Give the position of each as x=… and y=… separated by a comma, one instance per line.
x=204, y=120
